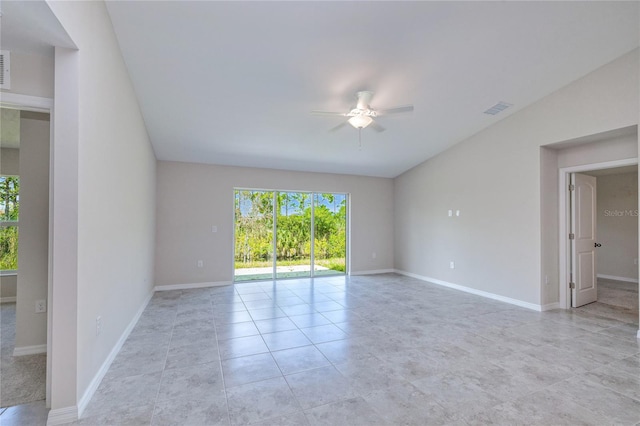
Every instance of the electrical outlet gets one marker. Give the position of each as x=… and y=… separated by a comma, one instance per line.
x=98, y=325
x=457, y=213
x=41, y=306
x=452, y=265
x=450, y=213
x=373, y=255
x=200, y=263
x=214, y=229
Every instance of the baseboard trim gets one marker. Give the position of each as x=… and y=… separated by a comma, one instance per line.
x=191, y=285
x=95, y=382
x=30, y=350
x=613, y=277
x=477, y=292
x=8, y=299
x=374, y=272
x=61, y=416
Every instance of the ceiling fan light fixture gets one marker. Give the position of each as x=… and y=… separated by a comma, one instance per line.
x=360, y=121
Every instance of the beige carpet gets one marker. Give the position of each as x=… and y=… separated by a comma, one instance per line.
x=22, y=378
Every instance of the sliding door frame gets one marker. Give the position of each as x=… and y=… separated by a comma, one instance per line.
x=313, y=194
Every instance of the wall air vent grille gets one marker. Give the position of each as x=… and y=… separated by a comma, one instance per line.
x=5, y=69
x=498, y=108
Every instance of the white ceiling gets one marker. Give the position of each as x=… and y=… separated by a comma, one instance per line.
x=31, y=27
x=233, y=82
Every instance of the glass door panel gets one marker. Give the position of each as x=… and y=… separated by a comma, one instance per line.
x=330, y=234
x=253, y=235
x=293, y=234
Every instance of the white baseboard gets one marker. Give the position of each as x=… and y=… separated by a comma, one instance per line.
x=95, y=382
x=11, y=299
x=477, y=292
x=613, y=277
x=374, y=272
x=191, y=285
x=61, y=416
x=30, y=350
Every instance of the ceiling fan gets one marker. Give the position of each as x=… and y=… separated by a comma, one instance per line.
x=363, y=115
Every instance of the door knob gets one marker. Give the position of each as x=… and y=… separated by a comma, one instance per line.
x=597, y=245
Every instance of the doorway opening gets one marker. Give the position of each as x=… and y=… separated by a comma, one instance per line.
x=289, y=234
x=25, y=279
x=601, y=239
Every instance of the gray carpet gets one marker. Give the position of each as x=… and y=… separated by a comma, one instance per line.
x=22, y=378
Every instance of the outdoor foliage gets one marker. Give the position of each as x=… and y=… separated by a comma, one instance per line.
x=8, y=248
x=9, y=212
x=254, y=228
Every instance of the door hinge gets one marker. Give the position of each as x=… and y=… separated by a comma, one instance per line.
x=572, y=236
x=572, y=187
x=572, y=285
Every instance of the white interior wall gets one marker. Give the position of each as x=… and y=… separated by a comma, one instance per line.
x=549, y=227
x=494, y=179
x=33, y=236
x=31, y=75
x=617, y=220
x=115, y=181
x=10, y=161
x=63, y=355
x=194, y=197
x=604, y=150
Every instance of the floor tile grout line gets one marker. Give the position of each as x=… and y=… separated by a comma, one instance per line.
x=155, y=401
x=224, y=385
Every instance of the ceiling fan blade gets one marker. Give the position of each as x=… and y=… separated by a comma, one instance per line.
x=396, y=110
x=338, y=127
x=329, y=113
x=375, y=126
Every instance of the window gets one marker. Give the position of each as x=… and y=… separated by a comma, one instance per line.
x=9, y=214
x=284, y=234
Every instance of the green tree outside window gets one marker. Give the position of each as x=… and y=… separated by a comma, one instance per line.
x=9, y=214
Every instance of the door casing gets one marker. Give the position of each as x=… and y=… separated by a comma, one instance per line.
x=564, y=212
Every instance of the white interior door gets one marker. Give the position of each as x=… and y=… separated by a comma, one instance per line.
x=583, y=228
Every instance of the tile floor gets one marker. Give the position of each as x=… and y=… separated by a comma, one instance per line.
x=370, y=350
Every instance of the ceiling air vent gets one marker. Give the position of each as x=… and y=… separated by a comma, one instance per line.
x=498, y=108
x=5, y=69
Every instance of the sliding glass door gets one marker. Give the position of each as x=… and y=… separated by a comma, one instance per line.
x=330, y=234
x=285, y=234
x=293, y=234
x=253, y=235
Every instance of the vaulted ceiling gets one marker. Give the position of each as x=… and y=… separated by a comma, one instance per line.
x=234, y=82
